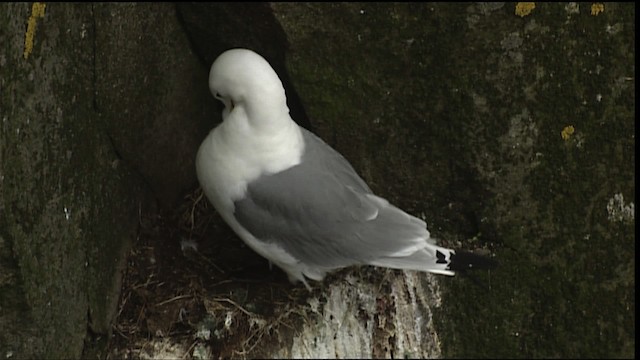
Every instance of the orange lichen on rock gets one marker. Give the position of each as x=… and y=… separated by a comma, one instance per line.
x=37, y=11
x=597, y=8
x=524, y=8
x=567, y=132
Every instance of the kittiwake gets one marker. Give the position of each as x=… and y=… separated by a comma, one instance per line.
x=291, y=197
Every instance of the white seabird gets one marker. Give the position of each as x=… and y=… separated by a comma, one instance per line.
x=291, y=197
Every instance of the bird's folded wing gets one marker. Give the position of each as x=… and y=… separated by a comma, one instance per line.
x=321, y=213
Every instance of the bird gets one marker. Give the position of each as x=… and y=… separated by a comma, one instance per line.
x=291, y=197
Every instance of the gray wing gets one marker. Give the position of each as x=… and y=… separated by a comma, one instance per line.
x=324, y=214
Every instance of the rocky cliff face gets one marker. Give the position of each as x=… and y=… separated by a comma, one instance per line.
x=507, y=127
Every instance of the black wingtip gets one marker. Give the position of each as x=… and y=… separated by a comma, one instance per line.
x=463, y=261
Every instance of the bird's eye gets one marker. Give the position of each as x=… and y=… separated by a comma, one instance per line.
x=217, y=95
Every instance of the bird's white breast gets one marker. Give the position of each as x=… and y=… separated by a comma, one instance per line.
x=226, y=163
x=230, y=158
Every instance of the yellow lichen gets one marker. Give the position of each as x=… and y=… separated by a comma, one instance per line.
x=567, y=132
x=524, y=8
x=37, y=11
x=597, y=8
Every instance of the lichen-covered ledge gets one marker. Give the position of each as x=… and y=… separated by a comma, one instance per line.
x=370, y=320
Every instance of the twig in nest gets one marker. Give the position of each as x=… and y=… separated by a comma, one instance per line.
x=204, y=258
x=123, y=303
x=117, y=329
x=188, y=352
x=234, y=304
x=193, y=207
x=174, y=299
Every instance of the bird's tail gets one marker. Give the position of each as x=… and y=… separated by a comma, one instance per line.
x=438, y=260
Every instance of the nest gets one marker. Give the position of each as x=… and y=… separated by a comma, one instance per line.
x=192, y=289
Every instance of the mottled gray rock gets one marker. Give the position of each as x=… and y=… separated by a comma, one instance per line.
x=109, y=98
x=69, y=207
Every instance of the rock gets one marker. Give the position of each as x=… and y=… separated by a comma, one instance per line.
x=152, y=94
x=69, y=206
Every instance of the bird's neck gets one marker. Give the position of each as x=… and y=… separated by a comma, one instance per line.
x=274, y=145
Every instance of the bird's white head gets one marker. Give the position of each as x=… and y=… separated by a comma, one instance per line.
x=246, y=83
